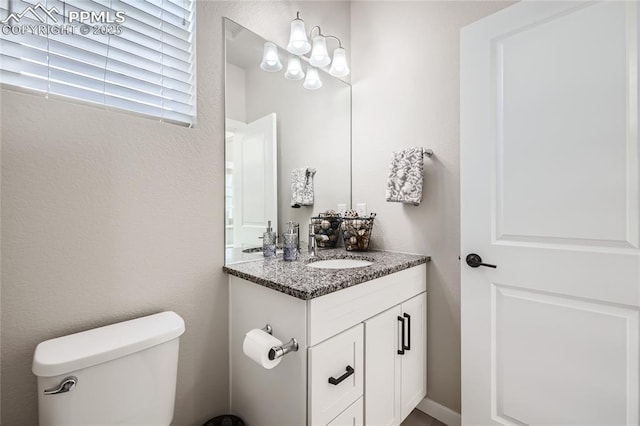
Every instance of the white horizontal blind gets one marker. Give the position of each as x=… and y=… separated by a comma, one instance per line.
x=135, y=55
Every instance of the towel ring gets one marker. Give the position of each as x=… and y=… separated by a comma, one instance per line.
x=427, y=152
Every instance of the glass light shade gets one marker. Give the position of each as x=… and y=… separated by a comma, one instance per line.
x=312, y=82
x=270, y=59
x=339, y=67
x=319, y=55
x=294, y=69
x=298, y=41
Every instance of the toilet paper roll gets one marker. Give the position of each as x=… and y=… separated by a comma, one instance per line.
x=257, y=345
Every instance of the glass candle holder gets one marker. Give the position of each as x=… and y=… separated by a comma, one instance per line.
x=290, y=247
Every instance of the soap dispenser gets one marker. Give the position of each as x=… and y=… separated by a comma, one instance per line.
x=290, y=245
x=269, y=242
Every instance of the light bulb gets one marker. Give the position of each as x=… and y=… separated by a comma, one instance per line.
x=270, y=59
x=312, y=82
x=319, y=55
x=294, y=69
x=298, y=41
x=339, y=67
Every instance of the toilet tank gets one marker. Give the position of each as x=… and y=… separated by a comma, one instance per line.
x=125, y=374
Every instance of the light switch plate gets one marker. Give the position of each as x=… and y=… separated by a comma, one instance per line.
x=361, y=209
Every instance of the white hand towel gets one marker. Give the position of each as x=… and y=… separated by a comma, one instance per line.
x=406, y=173
x=302, y=187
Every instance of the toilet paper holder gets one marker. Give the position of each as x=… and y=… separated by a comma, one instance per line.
x=280, y=351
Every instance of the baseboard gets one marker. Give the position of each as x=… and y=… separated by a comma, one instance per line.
x=440, y=412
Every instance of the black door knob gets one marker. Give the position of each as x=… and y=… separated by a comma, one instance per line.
x=474, y=261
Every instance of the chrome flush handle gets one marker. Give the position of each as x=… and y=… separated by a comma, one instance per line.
x=66, y=385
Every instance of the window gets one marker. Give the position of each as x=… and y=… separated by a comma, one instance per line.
x=133, y=55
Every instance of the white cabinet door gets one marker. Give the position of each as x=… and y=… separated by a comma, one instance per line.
x=395, y=348
x=550, y=192
x=382, y=381
x=414, y=360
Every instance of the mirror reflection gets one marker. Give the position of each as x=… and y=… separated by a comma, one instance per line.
x=288, y=148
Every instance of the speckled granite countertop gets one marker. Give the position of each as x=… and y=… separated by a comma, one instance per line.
x=298, y=280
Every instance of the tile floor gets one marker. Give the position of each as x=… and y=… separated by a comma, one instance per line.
x=418, y=418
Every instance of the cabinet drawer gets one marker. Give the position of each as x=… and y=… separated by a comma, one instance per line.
x=336, y=372
x=352, y=416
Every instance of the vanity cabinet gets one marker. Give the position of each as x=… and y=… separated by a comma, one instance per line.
x=347, y=370
x=395, y=377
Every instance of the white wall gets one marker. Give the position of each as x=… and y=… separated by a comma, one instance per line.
x=406, y=93
x=107, y=216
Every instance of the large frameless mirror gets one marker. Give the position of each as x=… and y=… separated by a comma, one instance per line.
x=273, y=126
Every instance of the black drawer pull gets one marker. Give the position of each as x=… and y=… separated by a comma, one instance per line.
x=402, y=346
x=337, y=381
x=408, y=317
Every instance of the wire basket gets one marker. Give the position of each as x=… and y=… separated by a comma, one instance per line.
x=327, y=230
x=356, y=232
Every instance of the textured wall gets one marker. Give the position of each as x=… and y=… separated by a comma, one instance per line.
x=108, y=216
x=406, y=93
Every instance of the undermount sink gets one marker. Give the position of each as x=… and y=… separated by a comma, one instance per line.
x=340, y=263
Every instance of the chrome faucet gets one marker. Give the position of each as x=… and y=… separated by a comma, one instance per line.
x=312, y=242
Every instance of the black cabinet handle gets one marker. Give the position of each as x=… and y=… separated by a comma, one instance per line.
x=337, y=381
x=408, y=317
x=474, y=261
x=402, y=346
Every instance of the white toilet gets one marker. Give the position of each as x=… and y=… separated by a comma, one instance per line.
x=123, y=374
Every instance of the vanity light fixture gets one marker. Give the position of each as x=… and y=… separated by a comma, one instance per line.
x=299, y=46
x=270, y=59
x=319, y=57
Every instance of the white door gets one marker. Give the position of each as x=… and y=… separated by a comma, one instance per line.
x=549, y=193
x=254, y=180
